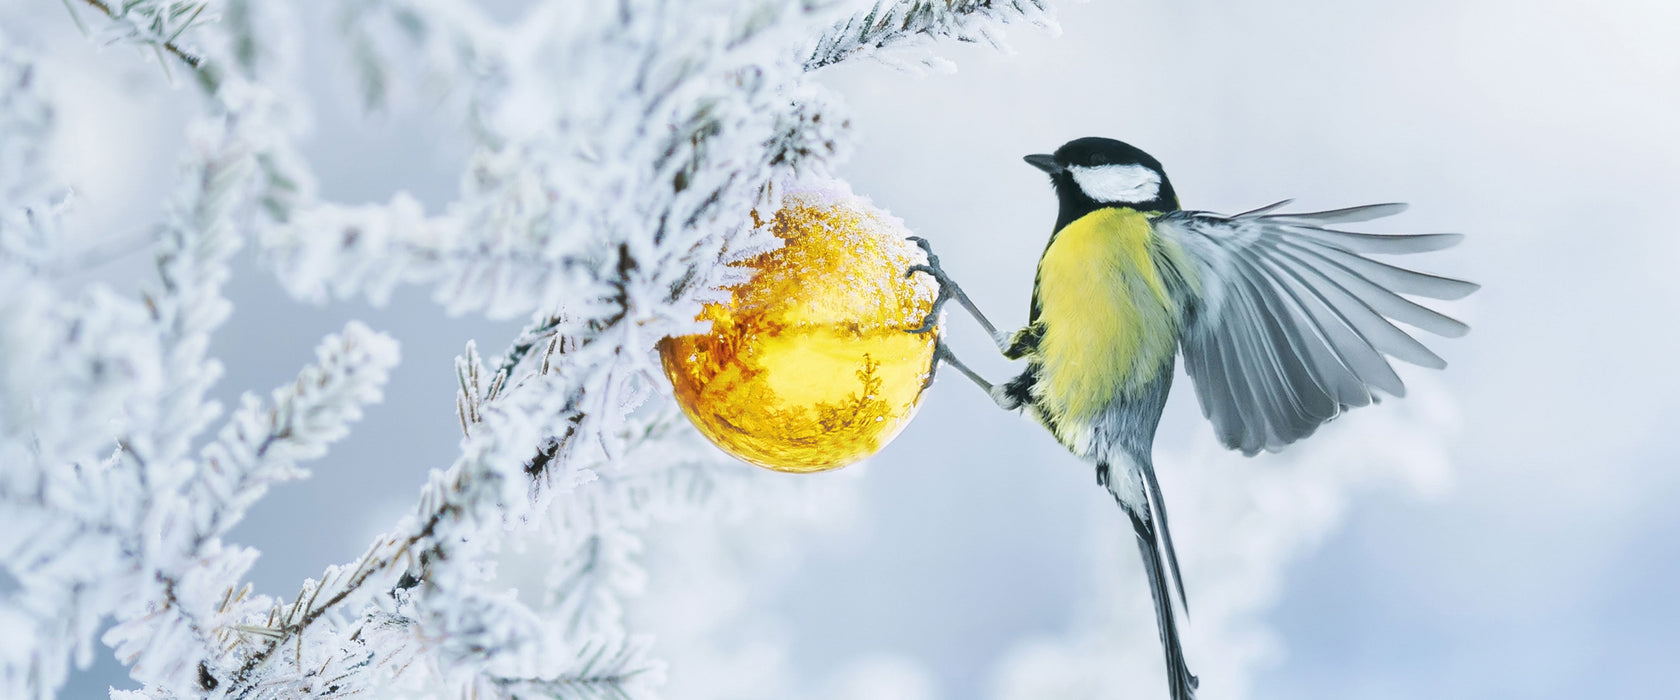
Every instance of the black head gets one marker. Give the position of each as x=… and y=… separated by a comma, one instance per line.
x=1093, y=172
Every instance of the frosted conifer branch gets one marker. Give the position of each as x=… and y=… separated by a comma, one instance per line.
x=620, y=152
x=84, y=538
x=137, y=535
x=609, y=288
x=72, y=371
x=913, y=24
x=156, y=23
x=169, y=640
x=667, y=473
x=262, y=443
x=252, y=59
x=621, y=671
x=29, y=197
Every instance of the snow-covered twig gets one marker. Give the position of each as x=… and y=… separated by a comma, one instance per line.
x=621, y=671
x=138, y=536
x=887, y=27
x=31, y=196
x=159, y=24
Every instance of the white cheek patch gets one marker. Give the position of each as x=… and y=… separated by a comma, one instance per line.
x=1128, y=184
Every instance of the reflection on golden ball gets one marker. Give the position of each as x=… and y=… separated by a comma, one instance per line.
x=808, y=366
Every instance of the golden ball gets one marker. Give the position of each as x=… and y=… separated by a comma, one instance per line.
x=808, y=366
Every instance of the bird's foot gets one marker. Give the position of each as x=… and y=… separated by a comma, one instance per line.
x=946, y=286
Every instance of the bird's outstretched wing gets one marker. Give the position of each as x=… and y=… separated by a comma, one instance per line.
x=1291, y=322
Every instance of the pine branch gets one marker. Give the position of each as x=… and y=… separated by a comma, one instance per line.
x=412, y=248
x=606, y=201
x=903, y=23
x=30, y=197
x=619, y=670
x=160, y=27
x=262, y=444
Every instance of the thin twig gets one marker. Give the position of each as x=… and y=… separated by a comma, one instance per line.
x=192, y=60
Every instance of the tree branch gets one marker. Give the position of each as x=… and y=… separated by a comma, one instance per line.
x=193, y=61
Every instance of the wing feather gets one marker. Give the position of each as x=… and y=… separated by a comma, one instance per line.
x=1291, y=324
x=1349, y=215
x=1253, y=360
x=1268, y=208
x=1398, y=279
x=1383, y=298
x=1378, y=244
x=1340, y=332
x=1270, y=370
x=1303, y=396
x=1332, y=368
x=1366, y=322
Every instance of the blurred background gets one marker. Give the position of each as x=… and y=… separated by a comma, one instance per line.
x=1505, y=531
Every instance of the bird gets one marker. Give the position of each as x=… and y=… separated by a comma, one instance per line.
x=1283, y=323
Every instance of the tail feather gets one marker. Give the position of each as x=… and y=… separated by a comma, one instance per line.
x=1180, y=682
x=1158, y=508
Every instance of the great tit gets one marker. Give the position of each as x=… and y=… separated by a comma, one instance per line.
x=1283, y=323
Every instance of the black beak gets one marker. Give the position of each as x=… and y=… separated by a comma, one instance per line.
x=1045, y=162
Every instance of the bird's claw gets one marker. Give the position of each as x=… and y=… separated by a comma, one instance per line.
x=940, y=353
x=931, y=269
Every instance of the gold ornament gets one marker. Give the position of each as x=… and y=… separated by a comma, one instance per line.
x=808, y=366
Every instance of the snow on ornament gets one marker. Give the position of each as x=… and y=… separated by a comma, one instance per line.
x=808, y=366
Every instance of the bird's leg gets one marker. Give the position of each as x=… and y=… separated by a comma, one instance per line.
x=948, y=290
x=942, y=353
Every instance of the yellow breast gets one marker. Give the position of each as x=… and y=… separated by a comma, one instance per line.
x=1108, y=321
